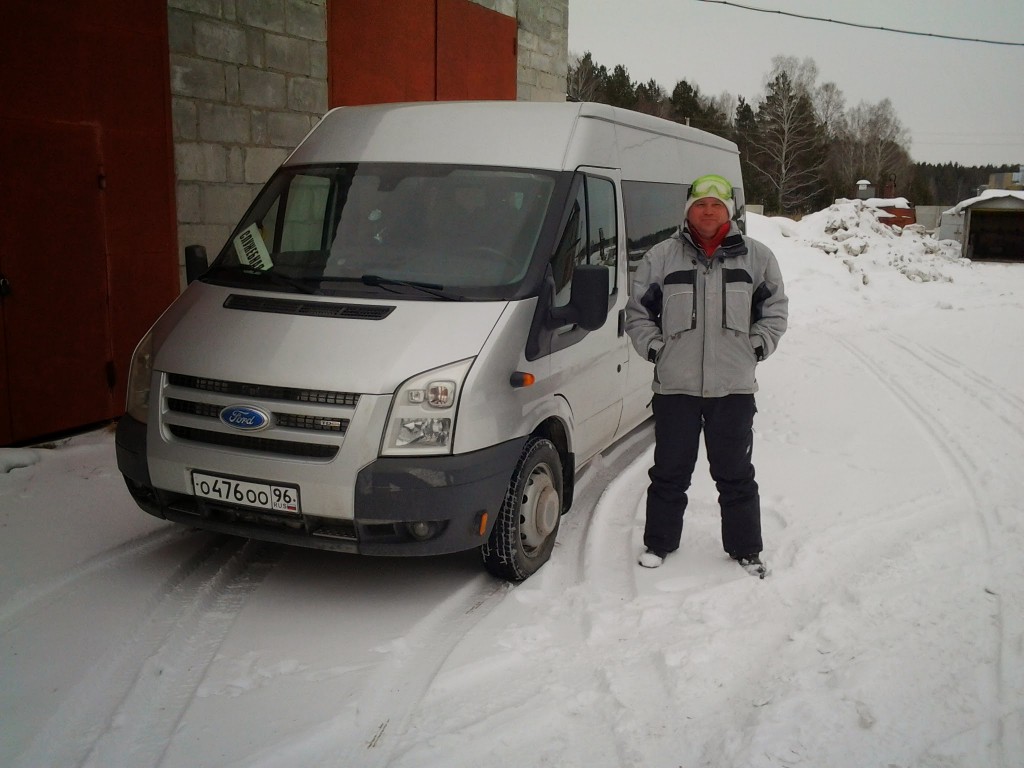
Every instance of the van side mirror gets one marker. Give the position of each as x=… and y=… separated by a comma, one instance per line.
x=196, y=262
x=588, y=302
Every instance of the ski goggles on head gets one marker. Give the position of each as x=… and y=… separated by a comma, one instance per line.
x=711, y=185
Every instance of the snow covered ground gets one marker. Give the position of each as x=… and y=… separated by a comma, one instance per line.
x=890, y=632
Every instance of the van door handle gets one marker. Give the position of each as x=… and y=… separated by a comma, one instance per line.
x=622, y=322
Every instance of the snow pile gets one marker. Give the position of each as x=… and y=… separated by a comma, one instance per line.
x=18, y=458
x=854, y=231
x=888, y=202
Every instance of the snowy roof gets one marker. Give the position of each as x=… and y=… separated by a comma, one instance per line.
x=986, y=195
x=888, y=202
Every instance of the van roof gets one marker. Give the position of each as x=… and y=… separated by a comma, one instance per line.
x=497, y=133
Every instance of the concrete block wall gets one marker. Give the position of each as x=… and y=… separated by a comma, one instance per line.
x=248, y=81
x=543, y=49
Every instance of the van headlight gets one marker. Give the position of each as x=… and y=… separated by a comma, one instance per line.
x=139, y=377
x=422, y=417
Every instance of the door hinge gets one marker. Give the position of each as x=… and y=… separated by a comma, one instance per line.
x=111, y=374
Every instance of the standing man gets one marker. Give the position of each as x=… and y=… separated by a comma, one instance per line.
x=706, y=305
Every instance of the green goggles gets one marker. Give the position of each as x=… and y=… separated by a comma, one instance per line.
x=711, y=185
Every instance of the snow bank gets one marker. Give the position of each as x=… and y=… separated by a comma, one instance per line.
x=853, y=231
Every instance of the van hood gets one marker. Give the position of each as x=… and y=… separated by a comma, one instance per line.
x=370, y=350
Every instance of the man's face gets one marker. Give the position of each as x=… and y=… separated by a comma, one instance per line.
x=707, y=215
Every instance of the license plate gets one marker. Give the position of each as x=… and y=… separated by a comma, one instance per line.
x=277, y=498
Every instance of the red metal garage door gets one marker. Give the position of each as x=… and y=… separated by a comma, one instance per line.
x=414, y=50
x=89, y=268
x=54, y=318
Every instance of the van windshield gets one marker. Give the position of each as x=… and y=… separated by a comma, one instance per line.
x=429, y=231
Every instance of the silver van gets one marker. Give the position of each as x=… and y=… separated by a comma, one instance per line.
x=413, y=340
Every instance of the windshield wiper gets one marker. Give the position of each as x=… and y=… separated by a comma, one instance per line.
x=431, y=289
x=275, y=277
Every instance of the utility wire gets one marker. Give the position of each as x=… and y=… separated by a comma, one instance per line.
x=861, y=26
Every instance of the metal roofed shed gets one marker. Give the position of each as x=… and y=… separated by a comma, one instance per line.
x=992, y=225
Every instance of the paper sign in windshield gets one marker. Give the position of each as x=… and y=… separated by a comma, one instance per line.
x=252, y=250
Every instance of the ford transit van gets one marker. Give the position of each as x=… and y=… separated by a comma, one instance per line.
x=413, y=340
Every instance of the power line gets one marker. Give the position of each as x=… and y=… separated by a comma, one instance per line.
x=861, y=26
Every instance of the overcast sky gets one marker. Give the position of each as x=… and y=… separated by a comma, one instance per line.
x=962, y=101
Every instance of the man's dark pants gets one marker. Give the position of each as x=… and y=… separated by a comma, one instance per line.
x=727, y=423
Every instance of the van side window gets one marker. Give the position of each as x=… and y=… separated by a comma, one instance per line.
x=653, y=212
x=604, y=234
x=591, y=236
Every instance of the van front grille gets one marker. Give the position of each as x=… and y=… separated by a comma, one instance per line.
x=291, y=420
x=264, y=392
x=207, y=410
x=315, y=423
x=253, y=443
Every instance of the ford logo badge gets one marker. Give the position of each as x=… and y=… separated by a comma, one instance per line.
x=245, y=417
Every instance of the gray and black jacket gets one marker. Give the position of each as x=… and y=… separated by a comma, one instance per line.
x=706, y=323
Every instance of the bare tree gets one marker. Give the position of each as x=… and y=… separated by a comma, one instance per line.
x=725, y=104
x=802, y=75
x=830, y=108
x=887, y=146
x=787, y=150
x=584, y=80
x=874, y=146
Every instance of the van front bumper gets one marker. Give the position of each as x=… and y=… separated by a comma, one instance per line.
x=404, y=506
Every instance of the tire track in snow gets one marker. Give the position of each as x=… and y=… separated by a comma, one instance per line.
x=152, y=674
x=983, y=390
x=367, y=733
x=530, y=657
x=645, y=729
x=593, y=486
x=385, y=724
x=591, y=587
x=958, y=458
x=965, y=460
x=1008, y=410
x=41, y=593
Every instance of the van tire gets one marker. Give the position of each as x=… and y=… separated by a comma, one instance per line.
x=524, y=534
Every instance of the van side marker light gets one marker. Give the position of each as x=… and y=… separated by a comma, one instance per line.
x=483, y=523
x=521, y=379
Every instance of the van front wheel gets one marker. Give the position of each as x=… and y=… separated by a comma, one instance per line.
x=524, y=533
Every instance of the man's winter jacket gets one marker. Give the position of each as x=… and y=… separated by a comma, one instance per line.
x=706, y=323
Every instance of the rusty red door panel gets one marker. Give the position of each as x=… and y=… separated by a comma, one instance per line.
x=55, y=320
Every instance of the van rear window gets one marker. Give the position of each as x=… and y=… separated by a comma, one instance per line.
x=653, y=211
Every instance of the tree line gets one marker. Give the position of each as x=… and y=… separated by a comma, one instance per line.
x=800, y=146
